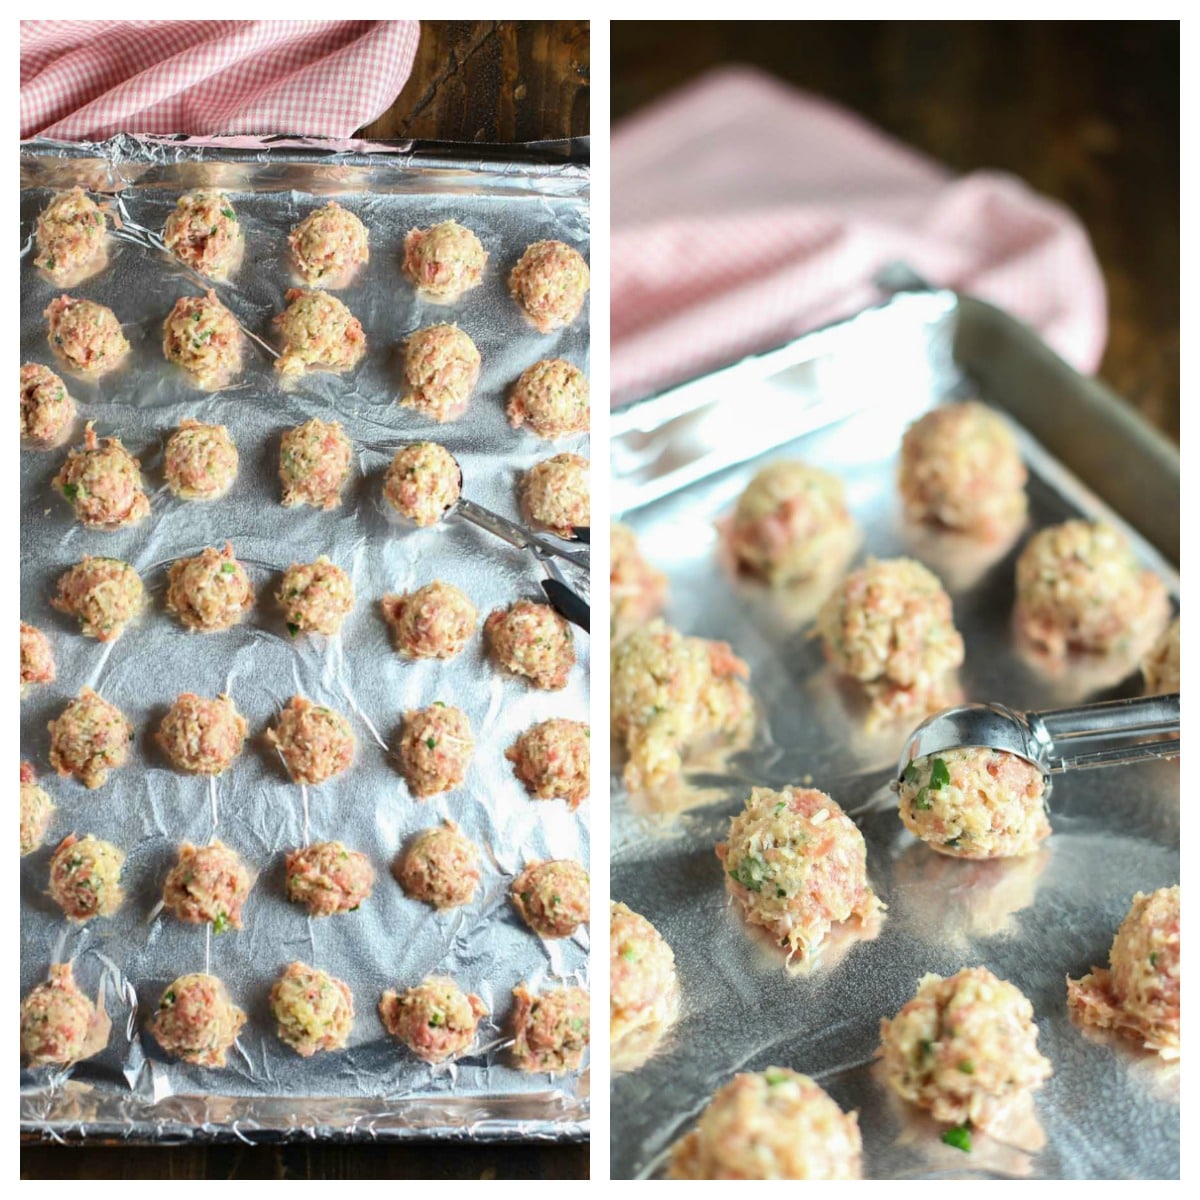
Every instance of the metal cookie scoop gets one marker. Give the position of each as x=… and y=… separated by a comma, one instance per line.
x=1110, y=733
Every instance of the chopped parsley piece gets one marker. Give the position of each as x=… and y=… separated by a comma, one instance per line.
x=774, y=1077
x=967, y=1067
x=228, y=568
x=959, y=1137
x=1154, y=959
x=751, y=872
x=168, y=998
x=431, y=742
x=293, y=629
x=911, y=773
x=70, y=491
x=939, y=777
x=228, y=212
x=220, y=923
x=629, y=954
x=923, y=802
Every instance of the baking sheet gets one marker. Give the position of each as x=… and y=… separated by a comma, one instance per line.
x=1110, y=1110
x=375, y=1088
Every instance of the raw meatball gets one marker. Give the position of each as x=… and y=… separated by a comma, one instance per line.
x=435, y=749
x=440, y=867
x=315, y=597
x=210, y=592
x=670, y=693
x=964, y=1048
x=200, y=461
x=553, y=759
x=203, y=337
x=196, y=1020
x=1161, y=667
x=58, y=1021
x=975, y=803
x=796, y=864
x=202, y=736
x=85, y=335
x=103, y=482
x=441, y=368
x=642, y=984
x=204, y=234
x=550, y=283
x=789, y=522
x=315, y=743
x=103, y=593
x=435, y=621
x=772, y=1124
x=960, y=468
x=553, y=897
x=1079, y=587
x=314, y=464
x=637, y=590
x=552, y=396
x=85, y=878
x=313, y=1011
x=1138, y=995
x=70, y=236
x=890, y=626
x=91, y=738
x=551, y=1030
x=37, y=659
x=423, y=482
x=436, y=1020
x=556, y=494
x=531, y=639
x=328, y=245
x=208, y=884
x=444, y=260
x=319, y=332
x=47, y=409
x=37, y=811
x=327, y=878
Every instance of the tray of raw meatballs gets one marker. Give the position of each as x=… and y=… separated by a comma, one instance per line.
x=305, y=770
x=824, y=965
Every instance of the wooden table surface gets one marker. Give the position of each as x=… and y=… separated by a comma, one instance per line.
x=485, y=81
x=1085, y=112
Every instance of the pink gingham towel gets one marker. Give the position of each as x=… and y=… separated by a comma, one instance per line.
x=91, y=79
x=745, y=212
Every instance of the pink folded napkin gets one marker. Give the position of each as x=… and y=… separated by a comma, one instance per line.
x=91, y=79
x=745, y=212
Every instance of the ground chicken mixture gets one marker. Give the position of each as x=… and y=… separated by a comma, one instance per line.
x=1138, y=994
x=670, y=694
x=423, y=482
x=59, y=1024
x=553, y=760
x=435, y=621
x=210, y=592
x=319, y=333
x=203, y=233
x=556, y=494
x=85, y=878
x=89, y=739
x=1080, y=587
x=441, y=369
x=975, y=803
x=551, y=1030
x=637, y=590
x=1161, y=666
x=70, y=237
x=314, y=464
x=329, y=245
x=37, y=811
x=203, y=337
x=552, y=397
x=105, y=594
x=964, y=1048
x=440, y=867
x=444, y=261
x=436, y=1020
x=532, y=640
x=85, y=335
x=103, y=483
x=200, y=461
x=208, y=884
x=643, y=989
x=312, y=1010
x=37, y=658
x=550, y=283
x=553, y=897
x=315, y=597
x=196, y=1021
x=327, y=878
x=435, y=749
x=772, y=1124
x=797, y=865
x=47, y=410
x=201, y=736
x=315, y=743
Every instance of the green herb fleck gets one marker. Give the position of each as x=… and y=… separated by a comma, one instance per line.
x=939, y=777
x=168, y=998
x=959, y=1137
x=1154, y=959
x=293, y=629
x=751, y=872
x=228, y=568
x=220, y=923
x=923, y=801
x=774, y=1077
x=70, y=491
x=431, y=742
x=629, y=954
x=967, y=1067
x=227, y=212
x=911, y=774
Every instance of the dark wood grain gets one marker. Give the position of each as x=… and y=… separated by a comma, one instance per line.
x=1086, y=112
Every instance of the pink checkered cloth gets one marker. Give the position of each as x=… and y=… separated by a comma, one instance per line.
x=745, y=212
x=91, y=79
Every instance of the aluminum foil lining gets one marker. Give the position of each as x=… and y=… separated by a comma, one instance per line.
x=375, y=1088
x=1110, y=1110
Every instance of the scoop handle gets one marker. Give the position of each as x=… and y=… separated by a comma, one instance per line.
x=1127, y=731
